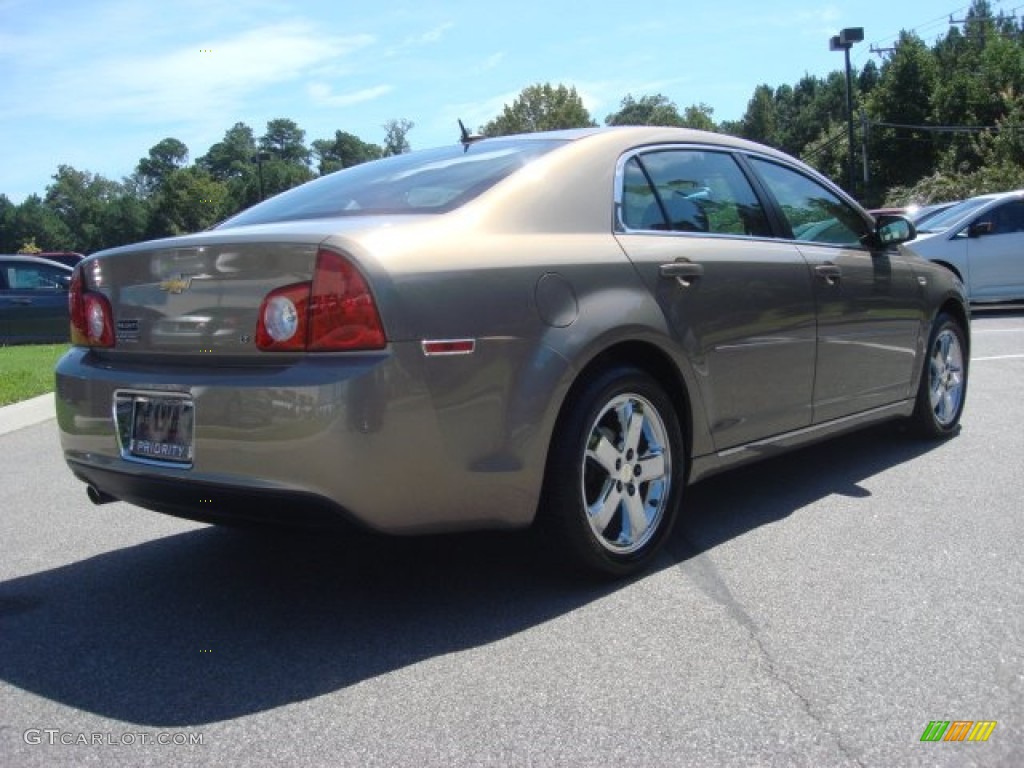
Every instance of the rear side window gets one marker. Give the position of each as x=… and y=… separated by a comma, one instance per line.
x=690, y=190
x=814, y=213
x=30, y=277
x=428, y=181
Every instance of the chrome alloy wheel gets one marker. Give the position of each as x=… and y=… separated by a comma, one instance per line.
x=627, y=473
x=946, y=377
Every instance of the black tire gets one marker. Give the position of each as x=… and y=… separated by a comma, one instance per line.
x=611, y=493
x=943, y=389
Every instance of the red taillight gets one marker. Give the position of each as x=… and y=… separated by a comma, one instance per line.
x=342, y=312
x=332, y=313
x=92, y=319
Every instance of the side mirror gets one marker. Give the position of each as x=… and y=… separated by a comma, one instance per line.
x=893, y=230
x=979, y=228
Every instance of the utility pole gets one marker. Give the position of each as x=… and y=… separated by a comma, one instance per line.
x=864, y=146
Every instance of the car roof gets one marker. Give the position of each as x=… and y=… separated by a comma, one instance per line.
x=630, y=135
x=29, y=259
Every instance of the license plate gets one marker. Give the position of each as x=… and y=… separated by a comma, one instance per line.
x=155, y=427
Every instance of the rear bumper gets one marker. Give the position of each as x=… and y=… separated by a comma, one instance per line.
x=381, y=439
x=213, y=502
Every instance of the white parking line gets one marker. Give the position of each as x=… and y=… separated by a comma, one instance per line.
x=996, y=357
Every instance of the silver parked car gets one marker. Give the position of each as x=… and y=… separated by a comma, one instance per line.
x=981, y=240
x=551, y=328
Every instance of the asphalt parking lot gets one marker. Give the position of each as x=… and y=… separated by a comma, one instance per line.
x=819, y=609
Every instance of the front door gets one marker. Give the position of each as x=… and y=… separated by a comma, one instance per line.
x=869, y=304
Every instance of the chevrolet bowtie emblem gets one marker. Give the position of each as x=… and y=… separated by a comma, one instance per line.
x=178, y=284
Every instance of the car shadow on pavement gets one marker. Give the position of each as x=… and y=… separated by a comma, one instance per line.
x=213, y=624
x=731, y=504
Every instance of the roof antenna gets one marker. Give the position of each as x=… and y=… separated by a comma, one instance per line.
x=467, y=138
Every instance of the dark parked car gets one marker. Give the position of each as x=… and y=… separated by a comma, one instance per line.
x=561, y=329
x=33, y=300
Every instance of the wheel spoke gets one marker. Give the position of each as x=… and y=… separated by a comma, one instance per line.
x=651, y=468
x=935, y=392
x=603, y=452
x=947, y=406
x=604, y=508
x=636, y=513
x=634, y=428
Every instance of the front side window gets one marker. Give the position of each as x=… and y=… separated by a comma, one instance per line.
x=814, y=213
x=690, y=190
x=1005, y=219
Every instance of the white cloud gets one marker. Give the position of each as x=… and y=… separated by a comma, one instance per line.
x=186, y=81
x=493, y=60
x=323, y=95
x=435, y=34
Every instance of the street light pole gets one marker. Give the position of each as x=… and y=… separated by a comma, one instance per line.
x=844, y=42
x=259, y=157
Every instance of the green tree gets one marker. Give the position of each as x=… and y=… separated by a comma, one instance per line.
x=279, y=176
x=81, y=200
x=540, y=108
x=125, y=219
x=343, y=151
x=164, y=157
x=232, y=156
x=647, y=110
x=189, y=200
x=8, y=210
x=760, y=121
x=34, y=220
x=233, y=161
x=699, y=116
x=285, y=141
x=396, y=133
x=868, y=78
x=903, y=96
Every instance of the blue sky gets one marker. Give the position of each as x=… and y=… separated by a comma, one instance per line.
x=96, y=83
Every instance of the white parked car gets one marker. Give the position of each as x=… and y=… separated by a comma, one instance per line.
x=982, y=240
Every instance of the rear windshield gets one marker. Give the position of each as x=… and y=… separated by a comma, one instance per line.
x=427, y=181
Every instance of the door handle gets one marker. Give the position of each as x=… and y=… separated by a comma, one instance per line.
x=830, y=273
x=21, y=300
x=684, y=271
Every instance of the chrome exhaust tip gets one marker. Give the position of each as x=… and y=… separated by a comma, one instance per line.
x=96, y=496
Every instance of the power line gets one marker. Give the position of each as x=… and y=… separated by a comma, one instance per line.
x=938, y=128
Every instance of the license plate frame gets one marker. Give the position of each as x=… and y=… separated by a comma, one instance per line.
x=156, y=427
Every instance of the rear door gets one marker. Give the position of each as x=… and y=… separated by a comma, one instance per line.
x=739, y=302
x=34, y=302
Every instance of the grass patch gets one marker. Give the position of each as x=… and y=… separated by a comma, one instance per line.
x=27, y=371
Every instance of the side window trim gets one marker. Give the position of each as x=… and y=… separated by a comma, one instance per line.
x=765, y=200
x=776, y=220
x=779, y=218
